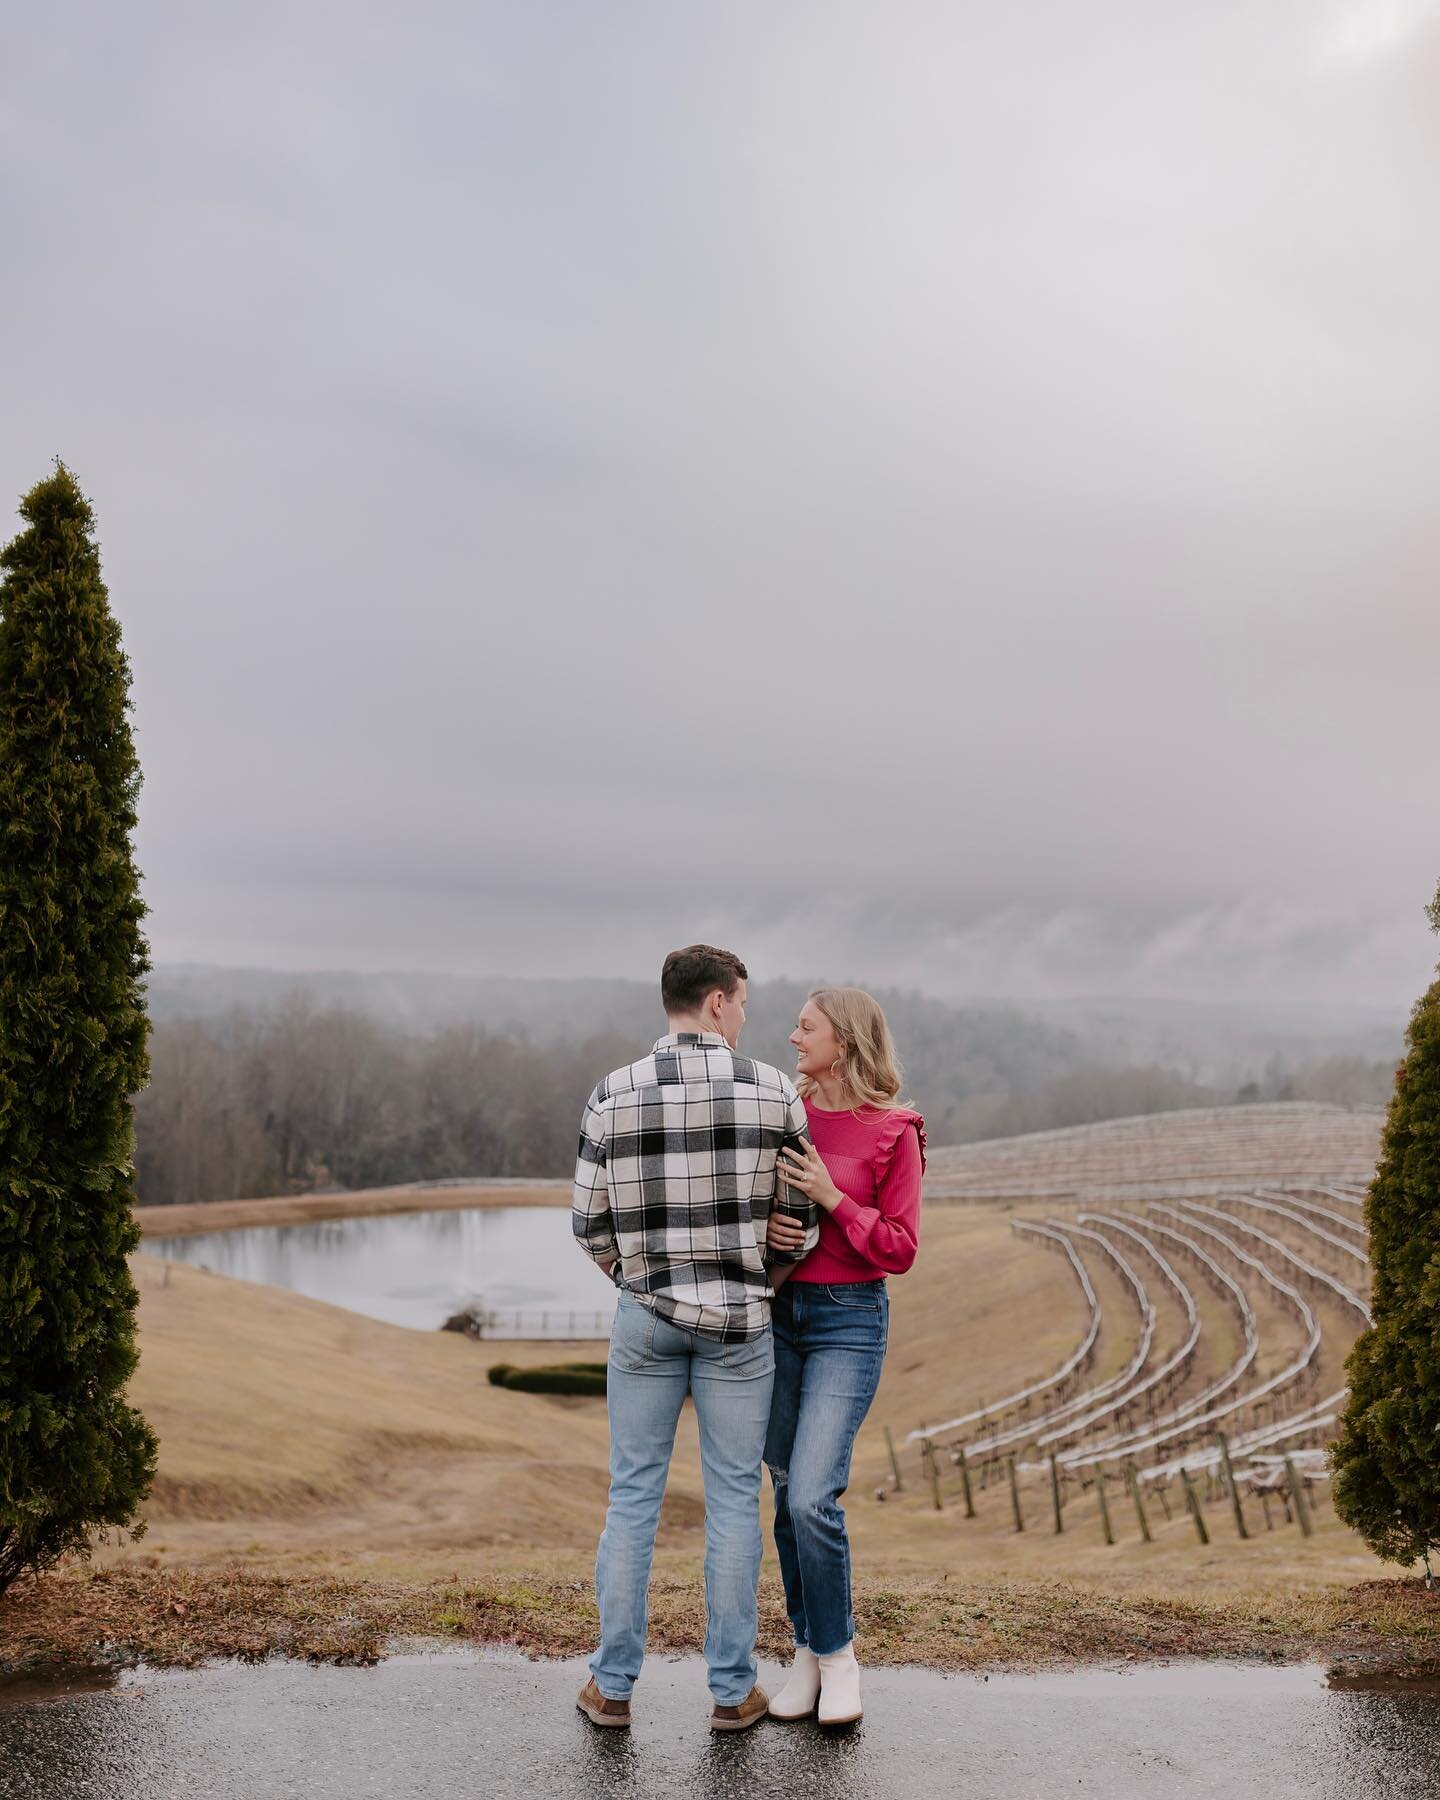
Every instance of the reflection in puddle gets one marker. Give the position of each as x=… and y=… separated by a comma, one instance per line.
x=39, y=1686
x=493, y=1722
x=1419, y=1684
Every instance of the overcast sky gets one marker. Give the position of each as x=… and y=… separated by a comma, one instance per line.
x=916, y=492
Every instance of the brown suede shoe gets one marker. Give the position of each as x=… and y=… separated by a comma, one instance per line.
x=600, y=1711
x=740, y=1718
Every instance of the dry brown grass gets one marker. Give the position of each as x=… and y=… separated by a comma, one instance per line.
x=312, y=1431
x=328, y=1482
x=298, y=1432
x=177, y=1615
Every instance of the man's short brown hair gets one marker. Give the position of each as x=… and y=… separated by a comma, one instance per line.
x=697, y=970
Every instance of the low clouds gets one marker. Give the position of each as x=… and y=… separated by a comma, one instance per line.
x=945, y=498
x=1360, y=31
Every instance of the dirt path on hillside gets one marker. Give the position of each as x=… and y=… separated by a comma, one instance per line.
x=367, y=1203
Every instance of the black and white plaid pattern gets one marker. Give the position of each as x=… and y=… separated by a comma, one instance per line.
x=676, y=1180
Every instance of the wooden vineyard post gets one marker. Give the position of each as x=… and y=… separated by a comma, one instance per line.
x=1235, y=1505
x=1302, y=1505
x=1055, y=1494
x=1104, y=1505
x=1015, y=1494
x=894, y=1461
x=965, y=1482
x=1265, y=1508
x=1192, y=1500
x=934, y=1468
x=1132, y=1477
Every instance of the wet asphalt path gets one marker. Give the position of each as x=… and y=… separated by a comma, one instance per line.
x=495, y=1725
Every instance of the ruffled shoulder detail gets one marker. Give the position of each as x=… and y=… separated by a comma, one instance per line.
x=897, y=1123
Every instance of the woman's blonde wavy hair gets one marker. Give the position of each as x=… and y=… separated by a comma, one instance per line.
x=868, y=1064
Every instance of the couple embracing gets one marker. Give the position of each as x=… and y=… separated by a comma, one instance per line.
x=749, y=1224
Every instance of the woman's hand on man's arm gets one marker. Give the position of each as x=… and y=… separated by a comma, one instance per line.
x=804, y=1168
x=784, y=1239
x=784, y=1234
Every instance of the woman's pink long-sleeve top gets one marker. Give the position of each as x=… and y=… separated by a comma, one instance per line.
x=877, y=1159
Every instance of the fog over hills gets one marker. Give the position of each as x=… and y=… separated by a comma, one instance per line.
x=939, y=493
x=1223, y=1042
x=1224, y=1045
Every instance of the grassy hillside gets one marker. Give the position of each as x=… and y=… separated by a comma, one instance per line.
x=328, y=1482
x=299, y=1433
x=297, y=1429
x=312, y=1432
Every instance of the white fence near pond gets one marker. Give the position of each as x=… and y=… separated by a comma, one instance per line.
x=564, y=1323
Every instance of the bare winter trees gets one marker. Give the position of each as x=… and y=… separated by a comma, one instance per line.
x=300, y=1096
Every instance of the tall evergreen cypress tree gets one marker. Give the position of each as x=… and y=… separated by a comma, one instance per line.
x=1387, y=1459
x=73, y=1455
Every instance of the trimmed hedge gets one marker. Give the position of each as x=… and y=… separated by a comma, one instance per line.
x=551, y=1378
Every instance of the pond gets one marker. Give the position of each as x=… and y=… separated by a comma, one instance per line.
x=520, y=1264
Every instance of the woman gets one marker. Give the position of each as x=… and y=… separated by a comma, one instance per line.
x=830, y=1320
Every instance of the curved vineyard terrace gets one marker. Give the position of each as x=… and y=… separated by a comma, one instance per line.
x=1265, y=1204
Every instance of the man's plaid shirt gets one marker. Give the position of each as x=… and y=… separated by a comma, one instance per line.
x=676, y=1181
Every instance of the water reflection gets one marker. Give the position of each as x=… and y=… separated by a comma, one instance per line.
x=416, y=1269
x=498, y=1724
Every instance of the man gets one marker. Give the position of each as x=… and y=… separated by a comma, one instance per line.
x=674, y=1185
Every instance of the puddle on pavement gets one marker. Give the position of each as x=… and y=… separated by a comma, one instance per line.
x=459, y=1721
x=33, y=1689
x=1180, y=1680
x=1423, y=1684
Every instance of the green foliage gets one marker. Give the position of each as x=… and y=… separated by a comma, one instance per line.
x=1387, y=1459
x=551, y=1378
x=73, y=1455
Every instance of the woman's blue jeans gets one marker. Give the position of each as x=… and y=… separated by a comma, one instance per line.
x=829, y=1350
x=653, y=1365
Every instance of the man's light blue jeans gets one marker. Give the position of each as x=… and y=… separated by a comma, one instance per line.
x=653, y=1365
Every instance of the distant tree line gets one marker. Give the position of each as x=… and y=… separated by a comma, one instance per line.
x=296, y=1095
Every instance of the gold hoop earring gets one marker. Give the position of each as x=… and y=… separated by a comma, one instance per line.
x=836, y=1073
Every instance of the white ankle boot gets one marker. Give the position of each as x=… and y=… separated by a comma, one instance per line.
x=796, y=1700
x=839, y=1687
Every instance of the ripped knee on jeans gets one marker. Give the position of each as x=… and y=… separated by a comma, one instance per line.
x=780, y=1477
